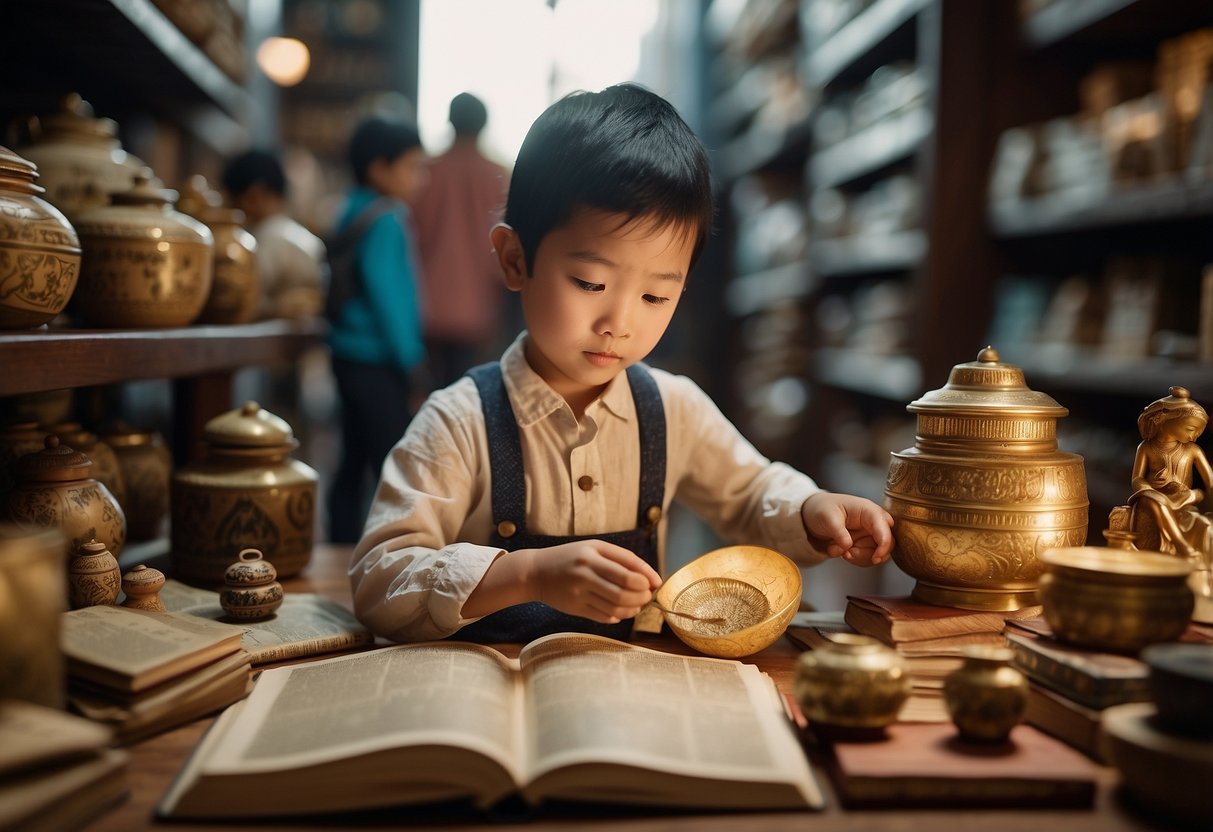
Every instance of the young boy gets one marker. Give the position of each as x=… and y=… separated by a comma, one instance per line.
x=528, y=497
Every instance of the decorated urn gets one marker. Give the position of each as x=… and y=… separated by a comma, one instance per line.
x=246, y=492
x=985, y=490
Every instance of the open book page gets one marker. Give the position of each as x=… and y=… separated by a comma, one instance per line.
x=134, y=649
x=305, y=625
x=593, y=700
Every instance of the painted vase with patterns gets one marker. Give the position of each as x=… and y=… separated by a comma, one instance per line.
x=141, y=586
x=146, y=467
x=985, y=490
x=106, y=468
x=245, y=492
x=143, y=263
x=93, y=576
x=55, y=489
x=250, y=591
x=986, y=697
x=39, y=249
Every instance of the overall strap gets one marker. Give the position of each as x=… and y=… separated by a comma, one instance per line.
x=507, y=482
x=650, y=418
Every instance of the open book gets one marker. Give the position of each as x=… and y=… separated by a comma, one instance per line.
x=575, y=717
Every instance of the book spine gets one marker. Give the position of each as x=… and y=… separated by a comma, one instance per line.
x=1092, y=691
x=312, y=647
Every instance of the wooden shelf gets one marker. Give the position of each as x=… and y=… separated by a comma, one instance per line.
x=1064, y=18
x=1146, y=379
x=897, y=378
x=859, y=37
x=50, y=359
x=760, y=149
x=106, y=49
x=753, y=292
x=1112, y=23
x=1163, y=201
x=871, y=149
x=868, y=253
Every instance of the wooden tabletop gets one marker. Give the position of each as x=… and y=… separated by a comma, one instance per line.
x=154, y=763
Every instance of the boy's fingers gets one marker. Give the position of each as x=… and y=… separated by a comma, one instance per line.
x=631, y=562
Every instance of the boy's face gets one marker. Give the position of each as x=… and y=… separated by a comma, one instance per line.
x=404, y=177
x=599, y=296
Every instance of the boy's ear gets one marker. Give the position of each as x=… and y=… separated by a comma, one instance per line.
x=510, y=256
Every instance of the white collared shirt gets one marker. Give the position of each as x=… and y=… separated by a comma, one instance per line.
x=425, y=546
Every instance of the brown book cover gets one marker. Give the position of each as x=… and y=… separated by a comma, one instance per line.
x=896, y=619
x=1072, y=723
x=928, y=765
x=1094, y=679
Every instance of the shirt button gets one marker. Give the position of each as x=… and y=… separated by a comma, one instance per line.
x=438, y=564
x=585, y=483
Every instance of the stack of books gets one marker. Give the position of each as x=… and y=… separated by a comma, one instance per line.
x=931, y=639
x=57, y=771
x=140, y=673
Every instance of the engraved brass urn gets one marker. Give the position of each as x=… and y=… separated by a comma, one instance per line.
x=246, y=492
x=985, y=490
x=39, y=249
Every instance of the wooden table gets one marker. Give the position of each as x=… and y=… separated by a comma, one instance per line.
x=154, y=763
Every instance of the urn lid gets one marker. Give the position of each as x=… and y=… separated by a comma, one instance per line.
x=986, y=387
x=56, y=462
x=249, y=427
x=144, y=191
x=75, y=122
x=250, y=570
x=19, y=171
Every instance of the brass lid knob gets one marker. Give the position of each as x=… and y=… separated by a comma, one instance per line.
x=249, y=426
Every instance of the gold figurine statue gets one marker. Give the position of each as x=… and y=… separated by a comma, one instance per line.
x=1165, y=506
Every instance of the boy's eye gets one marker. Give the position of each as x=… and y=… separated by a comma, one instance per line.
x=656, y=300
x=586, y=286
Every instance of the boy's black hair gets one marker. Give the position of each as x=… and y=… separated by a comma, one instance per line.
x=379, y=138
x=254, y=167
x=468, y=114
x=624, y=150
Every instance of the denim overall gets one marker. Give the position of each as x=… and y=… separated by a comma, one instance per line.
x=523, y=622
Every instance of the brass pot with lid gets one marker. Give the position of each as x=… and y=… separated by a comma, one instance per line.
x=144, y=264
x=246, y=492
x=39, y=249
x=985, y=490
x=236, y=287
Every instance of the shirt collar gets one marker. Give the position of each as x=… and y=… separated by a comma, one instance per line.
x=534, y=400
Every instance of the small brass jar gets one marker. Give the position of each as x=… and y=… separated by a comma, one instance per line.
x=855, y=682
x=39, y=249
x=1115, y=599
x=984, y=490
x=93, y=576
x=246, y=492
x=106, y=468
x=143, y=263
x=250, y=589
x=55, y=489
x=985, y=696
x=235, y=289
x=146, y=469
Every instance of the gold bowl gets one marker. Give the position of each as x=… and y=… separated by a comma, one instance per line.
x=755, y=590
x=1115, y=599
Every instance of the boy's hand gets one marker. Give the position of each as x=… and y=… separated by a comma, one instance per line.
x=593, y=579
x=853, y=528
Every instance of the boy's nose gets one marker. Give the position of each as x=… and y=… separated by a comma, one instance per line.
x=614, y=321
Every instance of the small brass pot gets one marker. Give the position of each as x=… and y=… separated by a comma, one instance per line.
x=244, y=493
x=144, y=264
x=235, y=289
x=984, y=490
x=39, y=249
x=1115, y=599
x=856, y=682
x=55, y=489
x=146, y=468
x=985, y=696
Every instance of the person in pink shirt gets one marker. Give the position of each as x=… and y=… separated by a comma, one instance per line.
x=463, y=295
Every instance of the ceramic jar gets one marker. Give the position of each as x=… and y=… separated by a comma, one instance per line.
x=79, y=158
x=855, y=682
x=16, y=440
x=146, y=469
x=985, y=490
x=250, y=591
x=55, y=489
x=141, y=586
x=985, y=696
x=33, y=598
x=236, y=288
x=244, y=493
x=106, y=468
x=143, y=264
x=93, y=577
x=39, y=249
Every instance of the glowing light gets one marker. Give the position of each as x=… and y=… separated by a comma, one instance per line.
x=285, y=61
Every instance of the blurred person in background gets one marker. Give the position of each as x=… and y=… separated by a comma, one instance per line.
x=464, y=294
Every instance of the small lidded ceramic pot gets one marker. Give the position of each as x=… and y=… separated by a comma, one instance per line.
x=106, y=468
x=245, y=492
x=143, y=263
x=55, y=488
x=251, y=591
x=856, y=682
x=142, y=586
x=93, y=576
x=985, y=696
x=39, y=249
